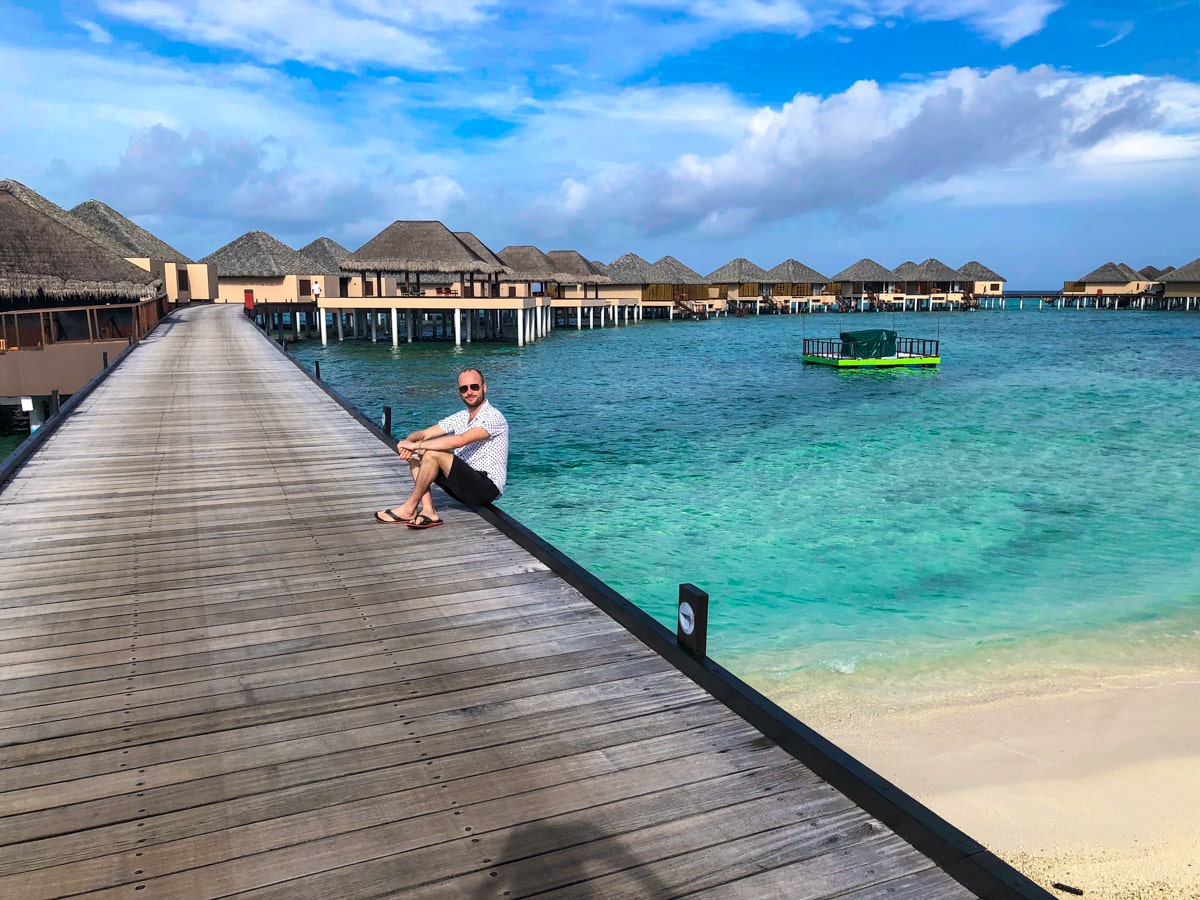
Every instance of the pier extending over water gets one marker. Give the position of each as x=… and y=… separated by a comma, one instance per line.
x=222, y=677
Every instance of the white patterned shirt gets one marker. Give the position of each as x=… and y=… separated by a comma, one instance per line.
x=489, y=456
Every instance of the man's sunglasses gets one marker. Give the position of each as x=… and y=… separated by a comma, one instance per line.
x=463, y=388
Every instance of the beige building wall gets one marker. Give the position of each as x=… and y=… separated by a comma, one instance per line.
x=1094, y=288
x=202, y=282
x=984, y=288
x=1181, y=289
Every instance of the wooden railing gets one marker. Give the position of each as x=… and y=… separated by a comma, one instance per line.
x=833, y=348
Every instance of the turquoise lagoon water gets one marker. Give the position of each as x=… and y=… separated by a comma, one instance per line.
x=1032, y=503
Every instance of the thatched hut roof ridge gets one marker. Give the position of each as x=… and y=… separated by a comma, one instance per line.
x=977, y=271
x=866, y=270
x=669, y=270
x=791, y=271
x=258, y=255
x=737, y=271
x=1150, y=273
x=136, y=241
x=1110, y=273
x=528, y=263
x=935, y=270
x=482, y=250
x=34, y=200
x=575, y=264
x=630, y=269
x=1190, y=272
x=417, y=246
x=325, y=251
x=908, y=271
x=41, y=257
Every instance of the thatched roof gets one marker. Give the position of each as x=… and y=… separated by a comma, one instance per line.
x=136, y=241
x=573, y=263
x=792, y=272
x=327, y=252
x=630, y=269
x=935, y=270
x=528, y=263
x=1150, y=273
x=1111, y=273
x=866, y=270
x=907, y=271
x=599, y=266
x=669, y=270
x=34, y=200
x=40, y=257
x=258, y=255
x=737, y=271
x=977, y=271
x=482, y=250
x=425, y=246
x=1190, y=272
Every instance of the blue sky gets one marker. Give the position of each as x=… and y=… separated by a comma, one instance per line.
x=1041, y=137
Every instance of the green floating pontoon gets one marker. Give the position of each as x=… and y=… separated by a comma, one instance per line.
x=875, y=349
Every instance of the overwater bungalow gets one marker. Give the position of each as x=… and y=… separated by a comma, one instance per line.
x=329, y=254
x=574, y=294
x=740, y=284
x=687, y=289
x=407, y=251
x=981, y=285
x=66, y=303
x=928, y=285
x=1112, y=285
x=1181, y=287
x=183, y=279
x=793, y=285
x=531, y=273
x=631, y=277
x=864, y=284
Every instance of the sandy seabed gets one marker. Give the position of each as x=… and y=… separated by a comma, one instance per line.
x=1091, y=780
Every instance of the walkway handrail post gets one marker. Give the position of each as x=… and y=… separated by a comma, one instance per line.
x=691, y=624
x=387, y=420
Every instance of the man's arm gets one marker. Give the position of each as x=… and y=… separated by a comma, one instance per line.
x=442, y=441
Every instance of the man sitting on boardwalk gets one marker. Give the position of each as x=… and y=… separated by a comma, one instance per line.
x=465, y=454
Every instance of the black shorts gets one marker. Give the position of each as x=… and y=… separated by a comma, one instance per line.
x=467, y=485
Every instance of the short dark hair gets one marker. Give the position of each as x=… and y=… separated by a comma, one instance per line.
x=482, y=380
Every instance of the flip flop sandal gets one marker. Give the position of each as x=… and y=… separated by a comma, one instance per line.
x=424, y=522
x=387, y=517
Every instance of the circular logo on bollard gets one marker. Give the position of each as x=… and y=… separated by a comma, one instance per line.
x=687, y=617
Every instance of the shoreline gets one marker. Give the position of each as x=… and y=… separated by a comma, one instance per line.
x=1092, y=781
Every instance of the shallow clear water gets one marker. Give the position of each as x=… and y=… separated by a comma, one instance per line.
x=1038, y=490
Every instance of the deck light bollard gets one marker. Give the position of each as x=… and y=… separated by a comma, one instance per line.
x=691, y=626
x=387, y=421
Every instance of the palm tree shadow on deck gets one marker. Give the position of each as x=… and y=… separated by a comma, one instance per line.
x=561, y=858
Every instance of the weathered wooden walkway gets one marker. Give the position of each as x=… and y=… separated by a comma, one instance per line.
x=219, y=676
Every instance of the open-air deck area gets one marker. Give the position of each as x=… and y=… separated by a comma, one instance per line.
x=222, y=677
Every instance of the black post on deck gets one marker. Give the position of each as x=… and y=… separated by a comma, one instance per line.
x=106, y=359
x=691, y=628
x=387, y=420
x=55, y=403
x=317, y=368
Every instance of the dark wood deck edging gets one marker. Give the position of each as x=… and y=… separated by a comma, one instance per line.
x=25, y=449
x=960, y=855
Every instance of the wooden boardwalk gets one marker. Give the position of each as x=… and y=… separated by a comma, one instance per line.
x=220, y=676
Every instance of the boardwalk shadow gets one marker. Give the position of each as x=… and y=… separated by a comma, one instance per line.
x=563, y=857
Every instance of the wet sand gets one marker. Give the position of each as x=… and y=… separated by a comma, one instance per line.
x=1095, y=784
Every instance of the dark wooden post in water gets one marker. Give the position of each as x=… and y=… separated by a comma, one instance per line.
x=55, y=402
x=317, y=368
x=387, y=420
x=106, y=359
x=691, y=625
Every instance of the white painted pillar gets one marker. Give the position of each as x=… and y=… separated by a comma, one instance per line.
x=457, y=327
x=295, y=324
x=579, y=317
x=408, y=324
x=324, y=336
x=395, y=327
x=520, y=327
x=591, y=310
x=374, y=325
x=341, y=333
x=472, y=315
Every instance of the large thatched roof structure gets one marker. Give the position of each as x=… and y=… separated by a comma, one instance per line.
x=669, y=270
x=136, y=241
x=630, y=269
x=482, y=250
x=423, y=246
x=258, y=255
x=1111, y=273
x=573, y=263
x=977, y=271
x=738, y=271
x=935, y=270
x=907, y=271
x=34, y=200
x=1190, y=272
x=599, y=266
x=866, y=270
x=792, y=272
x=528, y=263
x=43, y=259
x=326, y=251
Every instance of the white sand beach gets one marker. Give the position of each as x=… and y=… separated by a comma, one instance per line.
x=1091, y=781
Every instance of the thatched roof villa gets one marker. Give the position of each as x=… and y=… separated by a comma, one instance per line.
x=1182, y=284
x=406, y=250
x=528, y=266
x=258, y=268
x=1110, y=278
x=325, y=251
x=579, y=279
x=792, y=282
x=980, y=281
x=630, y=286
x=865, y=280
x=184, y=279
x=65, y=295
